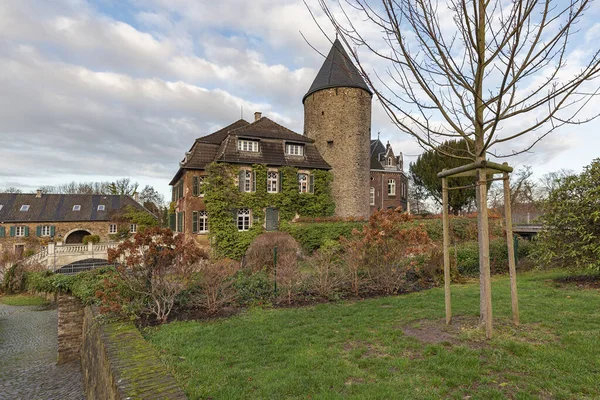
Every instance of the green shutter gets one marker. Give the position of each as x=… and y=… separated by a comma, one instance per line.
x=52, y=230
x=26, y=231
x=180, y=217
x=38, y=231
x=254, y=181
x=172, y=218
x=13, y=231
x=311, y=183
x=280, y=182
x=202, y=187
x=242, y=178
x=194, y=221
x=195, y=190
x=2, y=231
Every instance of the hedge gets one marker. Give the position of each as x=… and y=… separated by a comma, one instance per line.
x=467, y=256
x=312, y=235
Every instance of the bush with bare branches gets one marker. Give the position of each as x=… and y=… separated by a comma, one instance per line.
x=157, y=265
x=216, y=284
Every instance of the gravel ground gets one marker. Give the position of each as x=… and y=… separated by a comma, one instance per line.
x=28, y=353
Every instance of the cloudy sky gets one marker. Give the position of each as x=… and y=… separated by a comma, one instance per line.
x=98, y=90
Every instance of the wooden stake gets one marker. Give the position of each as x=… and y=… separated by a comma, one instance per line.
x=512, y=270
x=446, y=229
x=484, y=253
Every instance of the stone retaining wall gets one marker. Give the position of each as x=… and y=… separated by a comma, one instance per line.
x=117, y=363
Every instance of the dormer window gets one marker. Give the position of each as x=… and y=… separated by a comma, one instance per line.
x=1, y=205
x=101, y=207
x=294, y=149
x=248, y=145
x=77, y=207
x=390, y=162
x=25, y=207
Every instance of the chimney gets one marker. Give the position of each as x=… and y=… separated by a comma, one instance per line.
x=136, y=197
x=38, y=194
x=257, y=116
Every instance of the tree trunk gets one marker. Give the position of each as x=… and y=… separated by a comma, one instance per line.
x=485, y=299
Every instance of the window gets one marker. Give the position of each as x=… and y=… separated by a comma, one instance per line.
x=372, y=196
x=25, y=207
x=199, y=222
x=198, y=186
x=45, y=230
x=112, y=228
x=20, y=231
x=303, y=183
x=272, y=182
x=248, y=181
x=391, y=187
x=133, y=228
x=248, y=145
x=389, y=162
x=101, y=207
x=306, y=183
x=294, y=149
x=180, y=217
x=243, y=219
x=1, y=207
x=77, y=207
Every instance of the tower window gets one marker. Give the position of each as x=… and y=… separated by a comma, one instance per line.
x=372, y=196
x=390, y=162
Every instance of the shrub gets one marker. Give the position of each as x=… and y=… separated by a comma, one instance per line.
x=254, y=288
x=216, y=284
x=260, y=253
x=571, y=227
x=91, y=239
x=14, y=279
x=467, y=258
x=158, y=266
x=327, y=274
x=312, y=235
x=384, y=250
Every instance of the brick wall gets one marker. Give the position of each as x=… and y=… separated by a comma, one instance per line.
x=32, y=242
x=70, y=322
x=383, y=201
x=339, y=120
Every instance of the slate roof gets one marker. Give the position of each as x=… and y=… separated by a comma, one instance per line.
x=222, y=146
x=377, y=148
x=59, y=207
x=337, y=71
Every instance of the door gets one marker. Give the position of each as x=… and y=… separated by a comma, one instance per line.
x=272, y=219
x=19, y=251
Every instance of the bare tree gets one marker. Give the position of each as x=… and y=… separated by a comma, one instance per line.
x=552, y=180
x=490, y=72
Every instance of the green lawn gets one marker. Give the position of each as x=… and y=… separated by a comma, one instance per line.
x=23, y=300
x=359, y=349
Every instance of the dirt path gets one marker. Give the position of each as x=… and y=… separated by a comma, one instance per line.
x=28, y=351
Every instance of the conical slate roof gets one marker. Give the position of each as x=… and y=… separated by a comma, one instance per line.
x=337, y=71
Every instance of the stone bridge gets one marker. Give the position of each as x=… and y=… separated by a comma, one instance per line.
x=55, y=256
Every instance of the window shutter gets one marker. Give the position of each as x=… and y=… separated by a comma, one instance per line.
x=12, y=231
x=234, y=214
x=280, y=182
x=311, y=183
x=195, y=191
x=242, y=178
x=2, y=231
x=52, y=230
x=194, y=221
x=26, y=231
x=254, y=181
x=38, y=231
x=172, y=218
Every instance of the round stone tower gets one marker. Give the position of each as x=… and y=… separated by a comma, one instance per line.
x=337, y=116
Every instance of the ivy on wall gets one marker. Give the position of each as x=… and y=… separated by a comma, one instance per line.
x=223, y=198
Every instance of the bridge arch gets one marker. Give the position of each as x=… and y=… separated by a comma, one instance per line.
x=75, y=236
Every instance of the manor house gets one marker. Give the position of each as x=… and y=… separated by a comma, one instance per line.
x=337, y=138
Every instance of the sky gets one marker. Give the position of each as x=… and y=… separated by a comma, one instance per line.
x=105, y=89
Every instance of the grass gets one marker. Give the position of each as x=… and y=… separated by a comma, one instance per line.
x=23, y=300
x=360, y=350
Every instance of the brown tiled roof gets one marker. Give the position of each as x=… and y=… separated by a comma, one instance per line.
x=222, y=146
x=268, y=129
x=218, y=136
x=59, y=207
